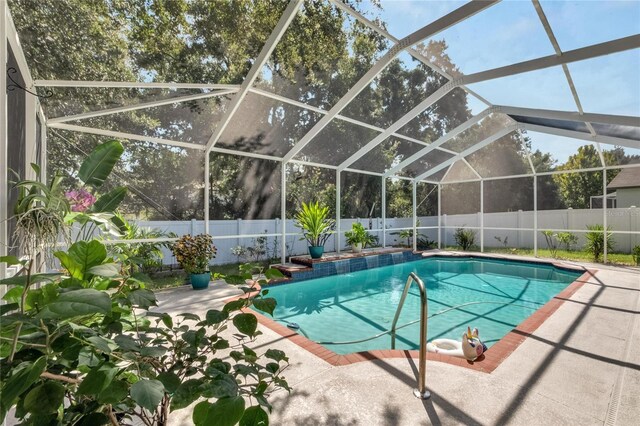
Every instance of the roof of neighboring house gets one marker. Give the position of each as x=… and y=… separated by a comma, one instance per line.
x=627, y=178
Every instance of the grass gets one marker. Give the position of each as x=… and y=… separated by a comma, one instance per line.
x=577, y=255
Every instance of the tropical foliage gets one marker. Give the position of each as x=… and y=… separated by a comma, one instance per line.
x=194, y=253
x=595, y=241
x=359, y=235
x=315, y=223
x=465, y=238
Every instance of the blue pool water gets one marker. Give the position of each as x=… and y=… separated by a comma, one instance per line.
x=361, y=304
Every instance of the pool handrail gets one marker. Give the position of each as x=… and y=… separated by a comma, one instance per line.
x=421, y=392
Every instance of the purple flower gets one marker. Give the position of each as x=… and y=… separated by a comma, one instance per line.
x=80, y=199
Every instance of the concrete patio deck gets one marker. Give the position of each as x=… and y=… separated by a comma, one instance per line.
x=581, y=366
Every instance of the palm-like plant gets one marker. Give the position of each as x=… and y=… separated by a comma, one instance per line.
x=315, y=223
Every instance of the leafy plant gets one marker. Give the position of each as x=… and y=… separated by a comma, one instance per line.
x=465, y=238
x=567, y=239
x=194, y=253
x=239, y=252
x=315, y=223
x=635, y=253
x=359, y=235
x=595, y=241
x=552, y=244
x=83, y=349
x=143, y=256
x=504, y=242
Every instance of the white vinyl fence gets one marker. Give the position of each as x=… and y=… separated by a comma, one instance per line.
x=508, y=229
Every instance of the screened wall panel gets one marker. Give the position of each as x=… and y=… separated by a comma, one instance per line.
x=266, y=126
x=336, y=143
x=459, y=171
x=386, y=155
x=310, y=184
x=402, y=85
x=552, y=152
x=243, y=187
x=426, y=163
x=191, y=122
x=67, y=101
x=489, y=125
x=506, y=156
x=618, y=88
x=298, y=70
x=545, y=89
x=511, y=32
x=438, y=119
x=616, y=18
x=460, y=198
x=361, y=196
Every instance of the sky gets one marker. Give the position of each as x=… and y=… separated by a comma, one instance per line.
x=511, y=32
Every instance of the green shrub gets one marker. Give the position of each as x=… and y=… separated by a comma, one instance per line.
x=465, y=238
x=567, y=239
x=595, y=241
x=635, y=253
x=552, y=243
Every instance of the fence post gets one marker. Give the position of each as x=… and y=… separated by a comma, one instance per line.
x=193, y=227
x=444, y=231
x=519, y=224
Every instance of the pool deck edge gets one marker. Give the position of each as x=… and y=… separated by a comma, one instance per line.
x=488, y=362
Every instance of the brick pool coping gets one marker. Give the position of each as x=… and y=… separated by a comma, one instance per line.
x=487, y=363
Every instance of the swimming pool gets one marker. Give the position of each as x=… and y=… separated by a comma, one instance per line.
x=357, y=305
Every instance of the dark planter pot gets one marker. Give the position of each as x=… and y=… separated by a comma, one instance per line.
x=316, y=251
x=200, y=281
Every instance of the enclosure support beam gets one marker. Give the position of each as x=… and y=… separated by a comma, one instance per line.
x=141, y=105
x=440, y=141
x=338, y=213
x=604, y=214
x=500, y=133
x=439, y=216
x=131, y=84
x=627, y=143
x=256, y=68
x=414, y=201
x=4, y=241
x=535, y=215
x=283, y=212
x=481, y=215
x=460, y=14
x=621, y=120
x=417, y=110
x=207, y=189
x=588, y=52
x=384, y=212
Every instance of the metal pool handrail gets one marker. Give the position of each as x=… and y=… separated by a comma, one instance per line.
x=421, y=392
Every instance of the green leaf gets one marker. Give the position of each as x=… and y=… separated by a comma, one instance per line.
x=255, y=416
x=276, y=355
x=8, y=308
x=147, y=393
x=104, y=345
x=98, y=165
x=127, y=343
x=76, y=303
x=186, y=394
x=110, y=201
x=188, y=316
x=267, y=305
x=93, y=419
x=167, y=320
x=115, y=393
x=105, y=270
x=10, y=260
x=221, y=387
x=34, y=279
x=236, y=279
x=246, y=323
x=45, y=398
x=87, y=254
x=153, y=351
x=24, y=375
x=224, y=412
x=97, y=380
x=273, y=274
x=143, y=298
x=216, y=317
x=170, y=381
x=234, y=305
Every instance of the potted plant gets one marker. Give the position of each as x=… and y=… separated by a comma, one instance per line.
x=193, y=254
x=358, y=238
x=316, y=226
